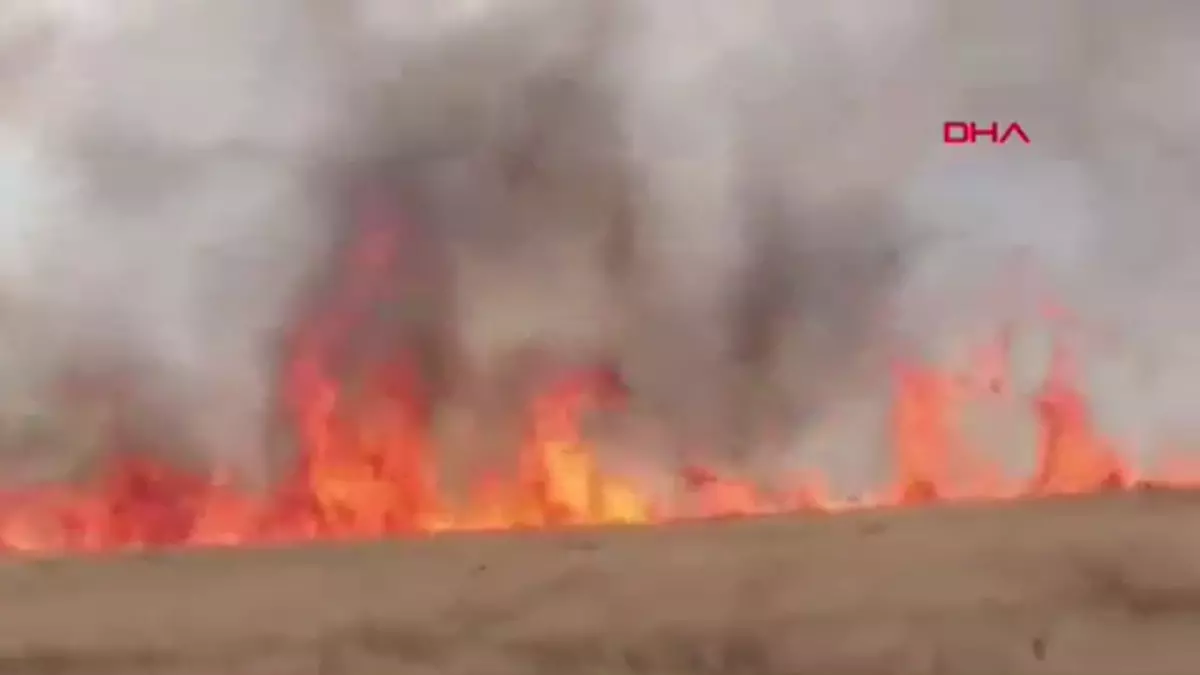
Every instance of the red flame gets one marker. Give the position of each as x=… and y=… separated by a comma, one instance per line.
x=365, y=469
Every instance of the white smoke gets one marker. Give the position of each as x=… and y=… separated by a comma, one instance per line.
x=168, y=206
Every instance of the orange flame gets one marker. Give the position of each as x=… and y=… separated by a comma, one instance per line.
x=365, y=470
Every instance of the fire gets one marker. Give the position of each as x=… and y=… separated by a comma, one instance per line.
x=365, y=466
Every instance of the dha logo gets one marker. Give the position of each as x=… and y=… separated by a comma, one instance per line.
x=968, y=133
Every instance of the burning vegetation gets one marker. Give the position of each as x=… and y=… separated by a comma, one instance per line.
x=168, y=217
x=366, y=467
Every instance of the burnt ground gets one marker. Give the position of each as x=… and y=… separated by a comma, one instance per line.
x=1090, y=587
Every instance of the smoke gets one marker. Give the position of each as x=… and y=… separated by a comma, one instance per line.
x=1092, y=213
x=744, y=208
x=171, y=196
x=797, y=223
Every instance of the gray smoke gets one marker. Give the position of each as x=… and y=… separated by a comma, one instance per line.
x=173, y=157
x=746, y=208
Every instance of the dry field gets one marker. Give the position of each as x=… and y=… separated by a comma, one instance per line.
x=1096, y=586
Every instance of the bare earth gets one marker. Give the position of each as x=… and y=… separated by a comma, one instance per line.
x=1090, y=587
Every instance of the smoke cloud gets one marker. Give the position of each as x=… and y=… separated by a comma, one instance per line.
x=744, y=208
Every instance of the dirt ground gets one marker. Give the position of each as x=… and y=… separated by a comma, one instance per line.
x=1090, y=587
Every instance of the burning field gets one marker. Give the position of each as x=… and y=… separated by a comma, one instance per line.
x=723, y=273
x=367, y=467
x=175, y=243
x=1082, y=571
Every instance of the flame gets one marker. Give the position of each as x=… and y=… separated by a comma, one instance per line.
x=365, y=467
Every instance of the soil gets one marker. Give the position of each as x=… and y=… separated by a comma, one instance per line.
x=1097, y=586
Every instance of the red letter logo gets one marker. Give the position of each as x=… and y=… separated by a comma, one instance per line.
x=967, y=133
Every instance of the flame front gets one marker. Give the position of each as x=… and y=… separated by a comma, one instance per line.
x=365, y=468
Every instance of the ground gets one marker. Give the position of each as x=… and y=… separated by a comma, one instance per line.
x=1096, y=586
